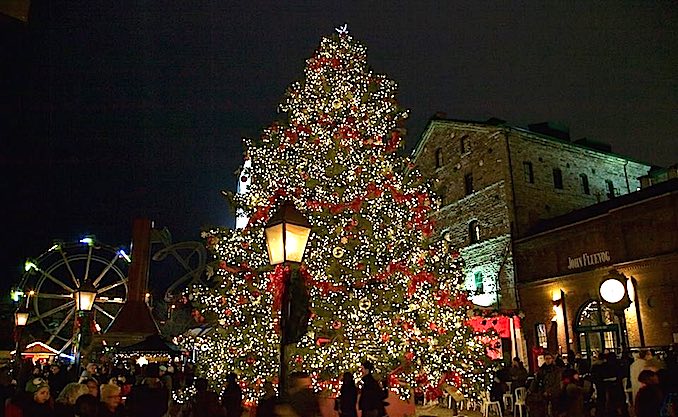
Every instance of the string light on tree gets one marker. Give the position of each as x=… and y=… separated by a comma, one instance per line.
x=373, y=253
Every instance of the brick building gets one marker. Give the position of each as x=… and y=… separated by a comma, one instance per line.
x=562, y=261
x=496, y=182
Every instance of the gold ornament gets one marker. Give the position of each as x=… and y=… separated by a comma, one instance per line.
x=364, y=304
x=338, y=252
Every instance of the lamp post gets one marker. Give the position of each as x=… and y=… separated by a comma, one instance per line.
x=84, y=301
x=287, y=233
x=20, y=321
x=613, y=293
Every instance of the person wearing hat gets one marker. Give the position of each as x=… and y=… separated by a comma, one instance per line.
x=150, y=398
x=165, y=377
x=35, y=401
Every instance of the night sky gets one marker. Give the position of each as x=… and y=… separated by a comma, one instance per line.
x=116, y=110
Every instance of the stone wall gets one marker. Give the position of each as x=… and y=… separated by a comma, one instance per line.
x=503, y=203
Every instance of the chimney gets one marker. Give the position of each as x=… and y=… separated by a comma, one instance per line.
x=135, y=322
x=141, y=257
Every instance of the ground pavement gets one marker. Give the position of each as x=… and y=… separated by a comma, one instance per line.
x=436, y=410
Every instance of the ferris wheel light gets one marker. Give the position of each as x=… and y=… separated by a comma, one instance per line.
x=87, y=240
x=30, y=265
x=123, y=255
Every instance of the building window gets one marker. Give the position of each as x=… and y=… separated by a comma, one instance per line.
x=542, y=337
x=584, y=184
x=474, y=231
x=558, y=178
x=527, y=172
x=610, y=189
x=468, y=183
x=439, y=157
x=478, y=281
x=465, y=144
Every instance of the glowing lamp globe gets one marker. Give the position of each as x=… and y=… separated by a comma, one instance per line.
x=85, y=296
x=21, y=317
x=287, y=233
x=612, y=290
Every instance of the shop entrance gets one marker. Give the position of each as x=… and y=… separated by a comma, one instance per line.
x=596, y=329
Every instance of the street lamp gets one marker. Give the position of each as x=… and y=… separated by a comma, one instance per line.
x=287, y=233
x=84, y=302
x=20, y=320
x=21, y=317
x=85, y=296
x=614, y=294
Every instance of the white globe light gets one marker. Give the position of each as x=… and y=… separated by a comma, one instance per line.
x=612, y=290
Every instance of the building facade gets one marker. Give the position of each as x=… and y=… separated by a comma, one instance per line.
x=496, y=182
x=563, y=261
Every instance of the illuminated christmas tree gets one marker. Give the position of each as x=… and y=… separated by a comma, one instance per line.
x=382, y=285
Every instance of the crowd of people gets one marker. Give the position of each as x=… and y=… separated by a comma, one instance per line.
x=57, y=390
x=104, y=391
x=606, y=386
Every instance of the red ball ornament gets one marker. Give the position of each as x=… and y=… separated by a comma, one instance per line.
x=243, y=178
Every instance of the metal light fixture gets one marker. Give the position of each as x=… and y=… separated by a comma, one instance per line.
x=287, y=234
x=85, y=296
x=21, y=316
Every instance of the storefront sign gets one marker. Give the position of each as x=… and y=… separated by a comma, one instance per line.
x=587, y=260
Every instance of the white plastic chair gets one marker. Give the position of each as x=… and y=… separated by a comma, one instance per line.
x=488, y=405
x=627, y=391
x=520, y=405
x=508, y=401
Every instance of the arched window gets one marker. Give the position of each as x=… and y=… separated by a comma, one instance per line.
x=439, y=157
x=474, y=231
x=584, y=184
x=558, y=178
x=596, y=328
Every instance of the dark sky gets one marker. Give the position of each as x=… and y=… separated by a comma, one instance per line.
x=114, y=110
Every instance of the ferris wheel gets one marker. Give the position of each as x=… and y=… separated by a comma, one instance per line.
x=51, y=280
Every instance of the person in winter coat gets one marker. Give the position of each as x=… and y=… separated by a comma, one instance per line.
x=204, y=403
x=648, y=401
x=111, y=401
x=372, y=396
x=570, y=402
x=348, y=396
x=37, y=402
x=546, y=384
x=64, y=405
x=231, y=399
x=150, y=398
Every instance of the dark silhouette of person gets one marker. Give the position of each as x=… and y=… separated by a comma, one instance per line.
x=231, y=399
x=205, y=403
x=150, y=398
x=348, y=396
x=372, y=396
x=648, y=401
